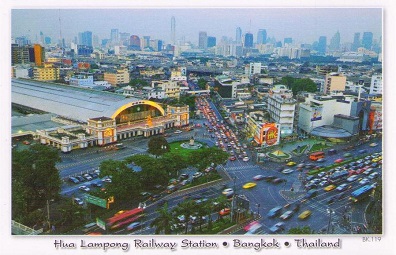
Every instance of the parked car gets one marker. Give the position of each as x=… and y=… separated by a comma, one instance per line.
x=78, y=201
x=84, y=188
x=73, y=180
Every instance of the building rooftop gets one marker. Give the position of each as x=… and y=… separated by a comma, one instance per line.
x=70, y=102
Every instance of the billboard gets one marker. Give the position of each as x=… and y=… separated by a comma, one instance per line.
x=317, y=114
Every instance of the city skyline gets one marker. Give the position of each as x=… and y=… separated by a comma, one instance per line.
x=303, y=25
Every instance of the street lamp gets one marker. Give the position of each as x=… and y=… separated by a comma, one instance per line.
x=233, y=200
x=330, y=212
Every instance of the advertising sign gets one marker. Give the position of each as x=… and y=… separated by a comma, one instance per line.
x=317, y=114
x=271, y=135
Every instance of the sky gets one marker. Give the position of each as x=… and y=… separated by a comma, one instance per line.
x=304, y=25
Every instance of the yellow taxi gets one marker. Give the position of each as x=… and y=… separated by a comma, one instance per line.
x=291, y=163
x=249, y=185
x=329, y=188
x=304, y=215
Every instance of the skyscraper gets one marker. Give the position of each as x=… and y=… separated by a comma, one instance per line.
x=248, y=40
x=367, y=40
x=173, y=30
x=134, y=42
x=261, y=36
x=85, y=38
x=114, y=35
x=322, y=45
x=356, y=42
x=238, y=36
x=287, y=40
x=203, y=40
x=335, y=41
x=211, y=41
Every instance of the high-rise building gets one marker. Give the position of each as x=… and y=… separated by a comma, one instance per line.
x=203, y=40
x=134, y=42
x=248, y=40
x=173, y=30
x=261, y=36
x=211, y=41
x=146, y=41
x=335, y=41
x=367, y=40
x=85, y=38
x=39, y=55
x=238, y=36
x=287, y=40
x=356, y=42
x=322, y=45
x=114, y=35
x=376, y=84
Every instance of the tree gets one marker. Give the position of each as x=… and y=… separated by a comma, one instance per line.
x=202, y=83
x=125, y=182
x=35, y=179
x=204, y=157
x=158, y=145
x=305, y=84
x=186, y=208
x=300, y=230
x=138, y=82
x=164, y=220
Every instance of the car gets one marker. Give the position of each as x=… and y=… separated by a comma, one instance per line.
x=178, y=132
x=278, y=227
x=278, y=180
x=197, y=175
x=296, y=207
x=332, y=151
x=310, y=186
x=228, y=192
x=73, y=180
x=274, y=211
x=84, y=188
x=269, y=178
x=338, y=160
x=107, y=179
x=134, y=226
x=252, y=225
x=291, y=163
x=373, y=144
x=311, y=193
x=155, y=197
x=245, y=159
x=87, y=177
x=249, y=185
x=331, y=200
x=184, y=176
x=258, y=177
x=232, y=158
x=162, y=202
x=286, y=215
x=323, y=183
x=321, y=160
x=347, y=155
x=200, y=201
x=373, y=175
x=343, y=187
x=78, y=201
x=184, y=182
x=97, y=184
x=80, y=178
x=225, y=211
x=287, y=171
x=305, y=214
x=352, y=178
x=330, y=187
x=145, y=195
x=364, y=181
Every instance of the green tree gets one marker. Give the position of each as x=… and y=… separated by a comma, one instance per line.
x=164, y=220
x=125, y=182
x=70, y=214
x=186, y=208
x=300, y=230
x=202, y=83
x=35, y=179
x=138, y=82
x=288, y=81
x=158, y=145
x=204, y=157
x=305, y=84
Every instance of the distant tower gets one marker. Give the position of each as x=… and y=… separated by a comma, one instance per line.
x=203, y=40
x=367, y=40
x=335, y=41
x=322, y=45
x=248, y=40
x=238, y=36
x=173, y=30
x=356, y=42
x=262, y=36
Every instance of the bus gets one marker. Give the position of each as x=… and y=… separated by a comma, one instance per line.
x=124, y=218
x=316, y=155
x=361, y=193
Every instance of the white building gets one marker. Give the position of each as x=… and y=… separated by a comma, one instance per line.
x=319, y=111
x=281, y=107
x=253, y=68
x=82, y=80
x=376, y=84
